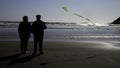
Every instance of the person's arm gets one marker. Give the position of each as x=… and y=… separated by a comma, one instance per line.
x=19, y=27
x=30, y=28
x=45, y=27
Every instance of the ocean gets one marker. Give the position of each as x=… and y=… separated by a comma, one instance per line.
x=66, y=33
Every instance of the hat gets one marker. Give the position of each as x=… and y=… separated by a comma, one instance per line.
x=38, y=15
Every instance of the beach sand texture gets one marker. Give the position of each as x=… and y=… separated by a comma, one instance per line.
x=59, y=54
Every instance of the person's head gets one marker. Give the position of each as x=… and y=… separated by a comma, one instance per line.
x=38, y=17
x=25, y=18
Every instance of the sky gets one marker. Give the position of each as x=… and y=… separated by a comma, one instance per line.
x=98, y=11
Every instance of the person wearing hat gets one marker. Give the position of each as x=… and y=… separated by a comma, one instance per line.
x=38, y=28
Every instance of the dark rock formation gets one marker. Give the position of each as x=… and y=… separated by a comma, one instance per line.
x=117, y=21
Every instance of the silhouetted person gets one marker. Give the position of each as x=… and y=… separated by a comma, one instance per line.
x=24, y=30
x=38, y=32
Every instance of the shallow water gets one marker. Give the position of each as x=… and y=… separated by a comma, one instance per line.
x=73, y=33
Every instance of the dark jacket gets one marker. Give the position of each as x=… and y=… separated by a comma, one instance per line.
x=24, y=28
x=38, y=27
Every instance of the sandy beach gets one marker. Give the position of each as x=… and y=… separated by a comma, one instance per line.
x=61, y=54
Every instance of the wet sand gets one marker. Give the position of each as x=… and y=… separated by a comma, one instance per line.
x=59, y=54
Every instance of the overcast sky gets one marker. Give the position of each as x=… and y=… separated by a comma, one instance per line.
x=99, y=11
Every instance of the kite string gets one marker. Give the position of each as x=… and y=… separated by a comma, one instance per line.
x=65, y=9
